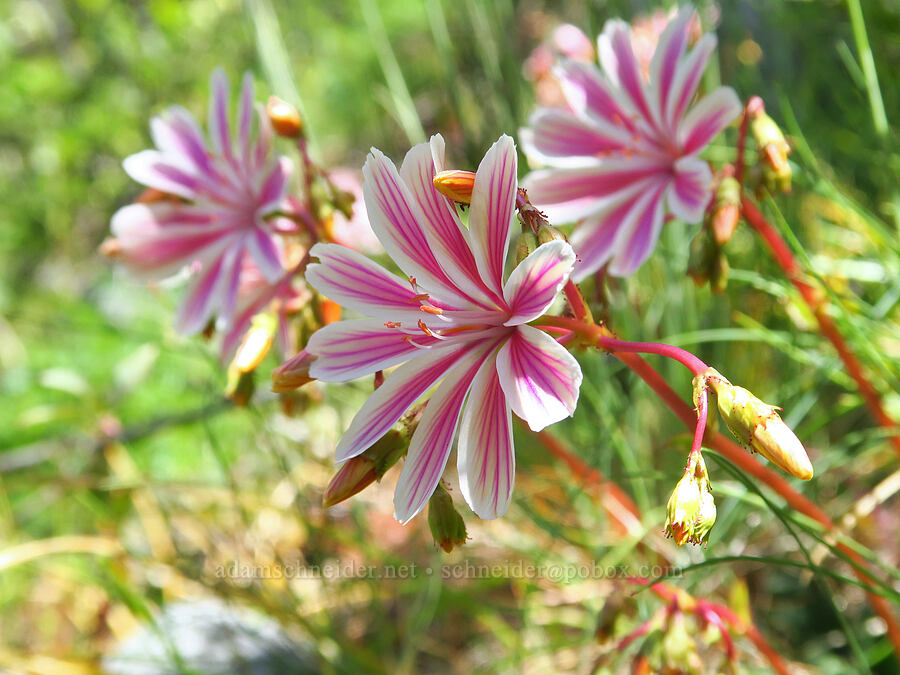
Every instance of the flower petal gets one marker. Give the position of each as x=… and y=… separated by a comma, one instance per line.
x=691, y=190
x=588, y=93
x=245, y=117
x=218, y=113
x=163, y=172
x=670, y=48
x=486, y=458
x=354, y=281
x=397, y=221
x=687, y=78
x=442, y=227
x=593, y=241
x=539, y=376
x=491, y=211
x=266, y=255
x=398, y=392
x=706, y=119
x=175, y=132
x=557, y=137
x=349, y=349
x=639, y=231
x=202, y=299
x=273, y=189
x=430, y=445
x=625, y=69
x=569, y=194
x=535, y=282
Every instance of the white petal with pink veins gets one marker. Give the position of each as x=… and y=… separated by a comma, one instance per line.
x=536, y=281
x=349, y=349
x=398, y=392
x=539, y=376
x=430, y=445
x=491, y=211
x=486, y=459
x=691, y=189
x=706, y=119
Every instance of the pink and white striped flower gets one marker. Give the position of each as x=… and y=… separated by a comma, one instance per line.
x=221, y=194
x=456, y=322
x=626, y=151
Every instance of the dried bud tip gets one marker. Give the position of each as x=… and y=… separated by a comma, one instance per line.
x=292, y=373
x=456, y=185
x=284, y=118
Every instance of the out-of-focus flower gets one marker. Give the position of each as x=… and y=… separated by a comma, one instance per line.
x=456, y=322
x=626, y=151
x=353, y=231
x=222, y=191
x=646, y=31
x=566, y=41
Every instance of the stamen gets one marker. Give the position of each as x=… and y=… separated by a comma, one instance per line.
x=421, y=297
x=431, y=310
x=412, y=282
x=392, y=324
x=408, y=338
x=430, y=333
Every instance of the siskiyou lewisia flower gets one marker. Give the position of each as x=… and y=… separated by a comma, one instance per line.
x=457, y=322
x=215, y=214
x=625, y=150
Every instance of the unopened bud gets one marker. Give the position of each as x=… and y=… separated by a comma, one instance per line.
x=718, y=280
x=547, y=233
x=256, y=343
x=683, y=508
x=111, y=247
x=757, y=425
x=354, y=476
x=447, y=526
x=773, y=148
x=284, y=117
x=456, y=184
x=528, y=243
x=727, y=210
x=292, y=373
x=702, y=257
x=706, y=516
x=239, y=387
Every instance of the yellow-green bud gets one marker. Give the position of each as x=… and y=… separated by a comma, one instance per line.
x=773, y=148
x=547, y=233
x=727, y=210
x=706, y=517
x=358, y=473
x=683, y=508
x=256, y=343
x=527, y=244
x=702, y=257
x=447, y=526
x=293, y=373
x=757, y=425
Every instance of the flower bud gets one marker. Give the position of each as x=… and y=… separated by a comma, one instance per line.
x=256, y=343
x=757, y=425
x=718, y=280
x=358, y=473
x=457, y=185
x=702, y=257
x=773, y=148
x=683, y=508
x=547, y=233
x=706, y=516
x=292, y=373
x=447, y=526
x=727, y=210
x=528, y=243
x=239, y=386
x=284, y=118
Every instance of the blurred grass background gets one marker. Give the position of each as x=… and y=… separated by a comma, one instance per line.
x=96, y=537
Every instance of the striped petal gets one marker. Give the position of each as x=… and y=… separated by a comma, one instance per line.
x=442, y=227
x=398, y=222
x=624, y=68
x=687, y=79
x=491, y=211
x=539, y=376
x=691, y=189
x=486, y=459
x=349, y=349
x=163, y=172
x=588, y=93
x=430, y=445
x=202, y=299
x=398, y=392
x=669, y=51
x=266, y=255
x=536, y=281
x=638, y=232
x=706, y=119
x=593, y=241
x=556, y=136
x=218, y=113
x=354, y=281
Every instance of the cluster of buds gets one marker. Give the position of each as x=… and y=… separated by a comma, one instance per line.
x=757, y=425
x=691, y=509
x=672, y=638
x=772, y=147
x=707, y=262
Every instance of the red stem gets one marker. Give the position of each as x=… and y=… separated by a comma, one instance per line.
x=817, y=303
